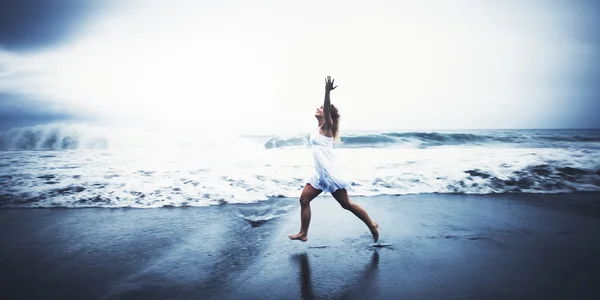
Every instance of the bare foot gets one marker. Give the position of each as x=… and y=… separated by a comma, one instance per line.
x=375, y=231
x=299, y=236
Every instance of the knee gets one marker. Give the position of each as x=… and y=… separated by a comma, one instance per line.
x=346, y=205
x=304, y=201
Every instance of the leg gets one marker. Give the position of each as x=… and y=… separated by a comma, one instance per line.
x=308, y=194
x=341, y=196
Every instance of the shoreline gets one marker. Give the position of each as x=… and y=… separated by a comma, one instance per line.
x=440, y=246
x=520, y=196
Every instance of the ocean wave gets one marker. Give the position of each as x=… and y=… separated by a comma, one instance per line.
x=432, y=139
x=572, y=138
x=151, y=179
x=63, y=136
x=532, y=179
x=52, y=137
x=81, y=136
x=441, y=137
x=279, y=142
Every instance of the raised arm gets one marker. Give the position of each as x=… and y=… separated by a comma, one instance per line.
x=327, y=105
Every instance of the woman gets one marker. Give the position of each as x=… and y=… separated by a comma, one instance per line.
x=326, y=176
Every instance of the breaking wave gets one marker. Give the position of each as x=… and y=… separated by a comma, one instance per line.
x=53, y=137
x=431, y=139
x=152, y=179
x=80, y=136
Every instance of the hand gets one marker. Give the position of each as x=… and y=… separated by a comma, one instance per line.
x=329, y=84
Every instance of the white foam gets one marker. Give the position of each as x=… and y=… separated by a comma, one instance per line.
x=176, y=177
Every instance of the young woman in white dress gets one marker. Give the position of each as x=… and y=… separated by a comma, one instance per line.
x=326, y=177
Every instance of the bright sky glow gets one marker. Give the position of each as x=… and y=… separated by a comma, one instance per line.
x=259, y=65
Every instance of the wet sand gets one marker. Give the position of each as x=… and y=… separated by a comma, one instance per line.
x=438, y=247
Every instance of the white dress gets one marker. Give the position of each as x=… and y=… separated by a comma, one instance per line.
x=327, y=176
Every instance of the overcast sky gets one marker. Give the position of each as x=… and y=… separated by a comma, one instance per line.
x=254, y=65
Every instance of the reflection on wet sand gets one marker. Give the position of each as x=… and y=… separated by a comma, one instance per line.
x=364, y=286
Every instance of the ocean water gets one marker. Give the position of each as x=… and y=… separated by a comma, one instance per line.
x=74, y=165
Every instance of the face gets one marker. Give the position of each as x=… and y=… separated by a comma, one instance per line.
x=319, y=113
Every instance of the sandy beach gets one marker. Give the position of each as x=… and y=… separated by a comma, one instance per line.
x=435, y=246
